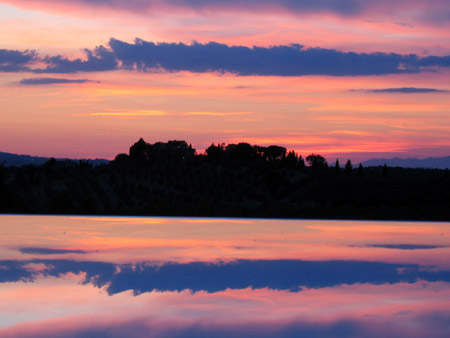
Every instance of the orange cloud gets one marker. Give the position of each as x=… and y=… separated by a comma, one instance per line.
x=217, y=113
x=136, y=113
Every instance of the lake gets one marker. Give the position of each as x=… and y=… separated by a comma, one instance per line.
x=76, y=276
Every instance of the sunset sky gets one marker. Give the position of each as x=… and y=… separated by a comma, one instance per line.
x=344, y=78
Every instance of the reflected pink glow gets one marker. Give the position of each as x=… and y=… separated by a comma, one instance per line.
x=84, y=307
x=134, y=239
x=68, y=306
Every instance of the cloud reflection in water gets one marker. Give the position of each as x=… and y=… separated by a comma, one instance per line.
x=212, y=277
x=147, y=277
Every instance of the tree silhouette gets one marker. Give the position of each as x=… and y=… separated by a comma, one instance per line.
x=385, y=170
x=246, y=184
x=360, y=170
x=291, y=159
x=215, y=152
x=316, y=162
x=121, y=158
x=138, y=151
x=301, y=162
x=242, y=151
x=348, y=167
x=337, y=167
x=273, y=153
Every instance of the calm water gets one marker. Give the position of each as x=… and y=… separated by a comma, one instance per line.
x=197, y=277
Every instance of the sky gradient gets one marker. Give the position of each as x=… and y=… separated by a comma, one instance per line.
x=348, y=78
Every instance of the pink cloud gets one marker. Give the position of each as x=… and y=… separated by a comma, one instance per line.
x=433, y=10
x=381, y=320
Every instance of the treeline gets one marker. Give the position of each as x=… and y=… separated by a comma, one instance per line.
x=235, y=180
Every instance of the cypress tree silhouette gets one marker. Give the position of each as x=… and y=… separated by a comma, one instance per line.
x=360, y=170
x=385, y=170
x=301, y=163
x=348, y=167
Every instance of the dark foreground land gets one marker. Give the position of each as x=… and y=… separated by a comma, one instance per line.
x=168, y=179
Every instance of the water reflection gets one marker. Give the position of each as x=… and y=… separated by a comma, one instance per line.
x=169, y=277
x=211, y=277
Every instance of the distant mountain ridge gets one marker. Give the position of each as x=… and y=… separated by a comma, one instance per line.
x=10, y=160
x=426, y=163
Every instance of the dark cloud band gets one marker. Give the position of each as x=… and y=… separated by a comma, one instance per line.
x=211, y=277
x=97, y=60
x=291, y=60
x=16, y=61
x=284, y=60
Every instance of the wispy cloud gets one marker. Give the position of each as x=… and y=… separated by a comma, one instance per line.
x=126, y=113
x=406, y=246
x=211, y=113
x=47, y=251
x=222, y=324
x=342, y=7
x=49, y=81
x=432, y=11
x=407, y=90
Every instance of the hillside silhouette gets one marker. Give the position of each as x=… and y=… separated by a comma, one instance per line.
x=234, y=180
x=11, y=160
